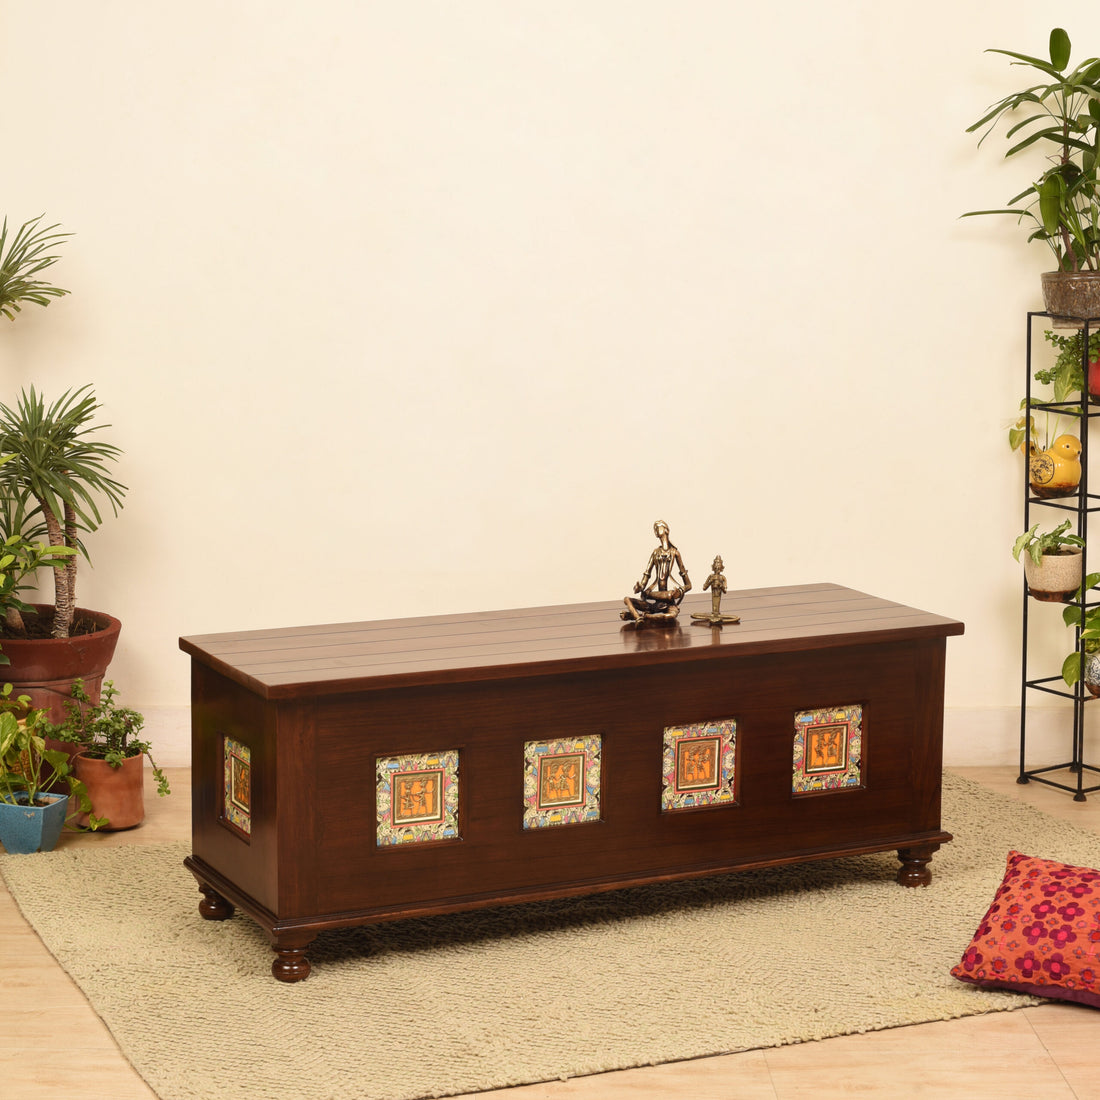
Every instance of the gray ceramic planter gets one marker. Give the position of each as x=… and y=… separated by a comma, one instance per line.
x=1057, y=576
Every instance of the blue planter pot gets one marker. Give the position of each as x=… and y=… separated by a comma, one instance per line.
x=26, y=828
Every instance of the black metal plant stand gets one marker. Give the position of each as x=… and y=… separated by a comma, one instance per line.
x=1081, y=506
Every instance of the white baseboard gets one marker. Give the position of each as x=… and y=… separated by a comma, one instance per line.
x=972, y=736
x=976, y=736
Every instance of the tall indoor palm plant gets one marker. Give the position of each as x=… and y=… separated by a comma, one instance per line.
x=58, y=463
x=1060, y=114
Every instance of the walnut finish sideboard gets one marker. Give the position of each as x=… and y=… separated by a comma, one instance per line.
x=362, y=772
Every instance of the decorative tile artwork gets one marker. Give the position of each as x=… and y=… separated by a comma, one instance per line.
x=237, y=786
x=561, y=781
x=828, y=744
x=418, y=798
x=699, y=763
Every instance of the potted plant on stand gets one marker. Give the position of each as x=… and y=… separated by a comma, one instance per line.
x=1052, y=562
x=1068, y=375
x=1061, y=207
x=1084, y=662
x=1054, y=469
x=110, y=757
x=32, y=812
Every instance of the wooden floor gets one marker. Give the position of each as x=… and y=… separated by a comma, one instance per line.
x=54, y=1045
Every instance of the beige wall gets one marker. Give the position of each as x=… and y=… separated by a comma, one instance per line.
x=401, y=308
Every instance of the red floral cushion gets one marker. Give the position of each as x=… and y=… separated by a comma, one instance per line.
x=1041, y=934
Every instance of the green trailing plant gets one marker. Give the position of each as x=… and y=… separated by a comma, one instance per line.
x=105, y=730
x=1067, y=376
x=1088, y=620
x=1062, y=118
x=28, y=768
x=23, y=256
x=57, y=461
x=1023, y=434
x=1055, y=541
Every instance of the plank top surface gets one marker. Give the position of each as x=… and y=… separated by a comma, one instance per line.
x=299, y=662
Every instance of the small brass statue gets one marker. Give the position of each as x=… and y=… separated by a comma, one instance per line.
x=657, y=602
x=716, y=582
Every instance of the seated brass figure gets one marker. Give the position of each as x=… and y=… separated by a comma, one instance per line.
x=657, y=601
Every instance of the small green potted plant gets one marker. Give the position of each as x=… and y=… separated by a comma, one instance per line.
x=1084, y=662
x=32, y=811
x=1053, y=467
x=110, y=756
x=1062, y=207
x=1052, y=562
x=1068, y=376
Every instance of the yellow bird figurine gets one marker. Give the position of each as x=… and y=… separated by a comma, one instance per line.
x=1056, y=472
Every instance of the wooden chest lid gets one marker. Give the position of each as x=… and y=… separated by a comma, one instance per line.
x=298, y=662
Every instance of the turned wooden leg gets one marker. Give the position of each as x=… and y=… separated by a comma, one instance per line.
x=291, y=963
x=914, y=869
x=213, y=906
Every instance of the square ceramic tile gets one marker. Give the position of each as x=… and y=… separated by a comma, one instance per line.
x=561, y=781
x=699, y=765
x=417, y=798
x=237, y=786
x=828, y=749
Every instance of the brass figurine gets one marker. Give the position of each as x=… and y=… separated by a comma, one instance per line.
x=657, y=602
x=716, y=582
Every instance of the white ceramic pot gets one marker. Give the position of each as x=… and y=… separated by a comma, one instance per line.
x=1057, y=576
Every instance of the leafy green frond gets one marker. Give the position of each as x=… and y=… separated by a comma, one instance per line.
x=22, y=257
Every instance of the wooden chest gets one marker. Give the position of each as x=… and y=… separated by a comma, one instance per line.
x=362, y=772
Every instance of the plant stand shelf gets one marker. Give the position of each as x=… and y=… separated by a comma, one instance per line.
x=1082, y=504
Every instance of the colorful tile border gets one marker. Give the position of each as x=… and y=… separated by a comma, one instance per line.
x=561, y=781
x=237, y=786
x=699, y=765
x=828, y=749
x=417, y=798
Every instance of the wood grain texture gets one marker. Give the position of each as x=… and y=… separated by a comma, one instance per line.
x=311, y=660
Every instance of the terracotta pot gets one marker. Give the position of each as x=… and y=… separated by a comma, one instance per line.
x=1056, y=577
x=1071, y=296
x=116, y=793
x=45, y=668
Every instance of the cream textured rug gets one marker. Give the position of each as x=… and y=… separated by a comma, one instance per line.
x=461, y=1003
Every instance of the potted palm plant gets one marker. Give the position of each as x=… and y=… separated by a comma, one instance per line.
x=54, y=475
x=1061, y=207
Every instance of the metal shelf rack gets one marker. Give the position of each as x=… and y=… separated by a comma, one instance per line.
x=1081, y=504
